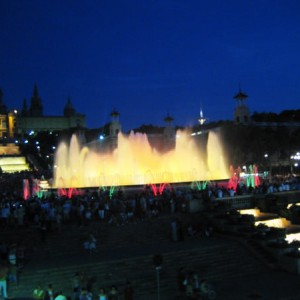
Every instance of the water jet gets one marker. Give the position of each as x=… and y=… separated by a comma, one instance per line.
x=136, y=162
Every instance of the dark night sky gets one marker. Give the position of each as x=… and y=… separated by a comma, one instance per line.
x=148, y=58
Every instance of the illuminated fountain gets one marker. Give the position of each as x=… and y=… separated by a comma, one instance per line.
x=268, y=219
x=250, y=177
x=272, y=220
x=135, y=162
x=276, y=222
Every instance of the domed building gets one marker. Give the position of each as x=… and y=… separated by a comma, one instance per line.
x=33, y=118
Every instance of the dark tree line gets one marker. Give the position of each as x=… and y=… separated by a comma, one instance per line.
x=284, y=116
x=265, y=146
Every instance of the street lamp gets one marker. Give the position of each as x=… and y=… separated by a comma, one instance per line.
x=268, y=166
x=157, y=262
x=295, y=159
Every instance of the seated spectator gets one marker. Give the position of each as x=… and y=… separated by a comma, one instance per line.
x=60, y=296
x=38, y=293
x=113, y=293
x=204, y=289
x=191, y=231
x=85, y=295
x=90, y=243
x=102, y=295
x=189, y=287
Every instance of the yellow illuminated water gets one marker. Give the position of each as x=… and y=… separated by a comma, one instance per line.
x=291, y=204
x=273, y=222
x=276, y=222
x=134, y=162
x=252, y=211
x=291, y=237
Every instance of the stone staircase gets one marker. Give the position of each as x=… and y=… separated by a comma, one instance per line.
x=212, y=261
x=126, y=253
x=11, y=164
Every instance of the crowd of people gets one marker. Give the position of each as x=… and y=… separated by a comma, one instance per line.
x=192, y=287
x=81, y=290
x=52, y=211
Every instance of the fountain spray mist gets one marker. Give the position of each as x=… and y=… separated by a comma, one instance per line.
x=135, y=162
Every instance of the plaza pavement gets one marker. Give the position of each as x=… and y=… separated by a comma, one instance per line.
x=126, y=252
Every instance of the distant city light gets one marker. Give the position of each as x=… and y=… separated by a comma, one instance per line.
x=296, y=156
x=101, y=137
x=31, y=132
x=196, y=133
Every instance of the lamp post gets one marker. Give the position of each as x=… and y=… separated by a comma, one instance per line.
x=157, y=262
x=295, y=161
x=268, y=165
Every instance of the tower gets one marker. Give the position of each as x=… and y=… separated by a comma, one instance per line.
x=8, y=120
x=3, y=109
x=201, y=120
x=36, y=107
x=169, y=133
x=241, y=113
x=114, y=129
x=24, y=111
x=114, y=126
x=69, y=110
x=3, y=117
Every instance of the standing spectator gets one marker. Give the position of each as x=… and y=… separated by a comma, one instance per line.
x=174, y=230
x=5, y=214
x=20, y=215
x=49, y=294
x=101, y=212
x=3, y=280
x=76, y=285
x=13, y=267
x=88, y=214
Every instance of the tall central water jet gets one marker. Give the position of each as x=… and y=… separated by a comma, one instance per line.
x=135, y=162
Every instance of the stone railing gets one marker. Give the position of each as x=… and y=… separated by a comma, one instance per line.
x=237, y=202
